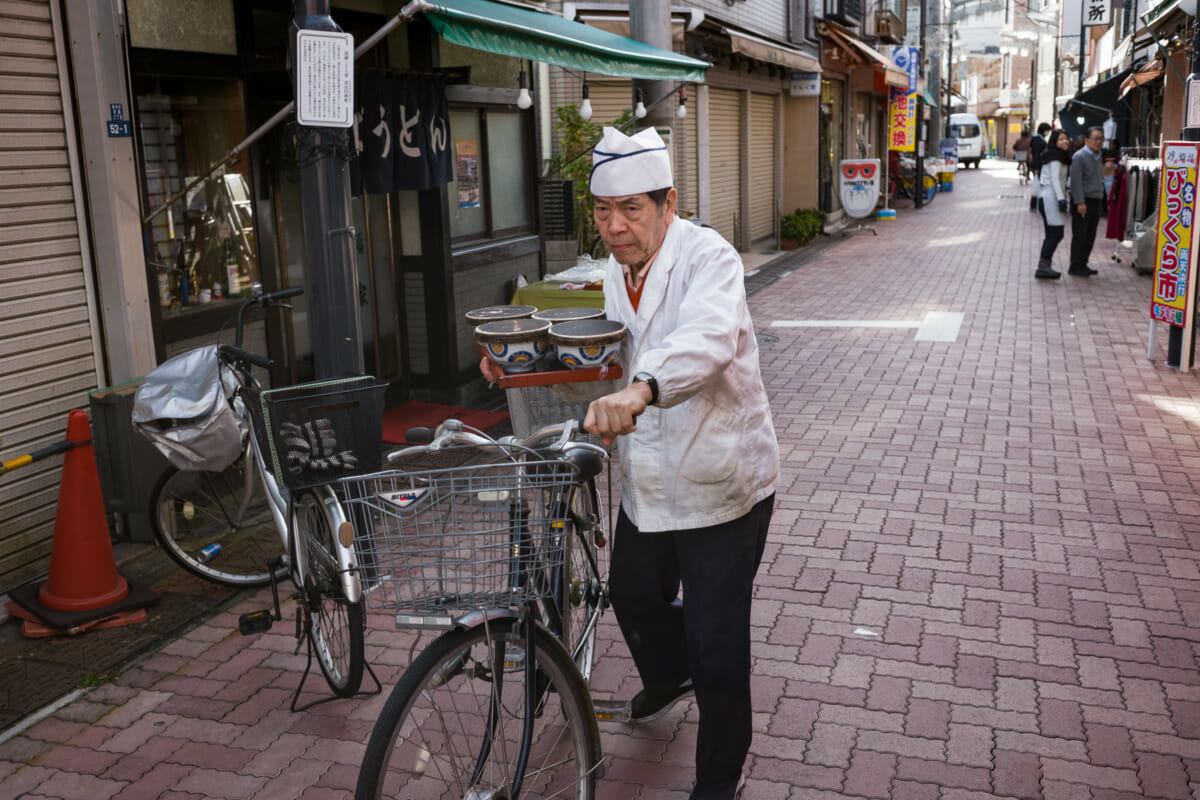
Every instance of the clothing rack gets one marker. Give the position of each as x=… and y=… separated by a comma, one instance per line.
x=1152, y=152
x=1142, y=205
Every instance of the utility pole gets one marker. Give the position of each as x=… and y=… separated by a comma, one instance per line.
x=1190, y=134
x=949, y=72
x=328, y=227
x=919, y=180
x=650, y=22
x=1082, y=45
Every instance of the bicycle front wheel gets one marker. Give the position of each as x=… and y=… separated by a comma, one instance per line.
x=931, y=188
x=337, y=623
x=453, y=725
x=585, y=588
x=216, y=525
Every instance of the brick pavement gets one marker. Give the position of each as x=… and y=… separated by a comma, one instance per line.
x=982, y=579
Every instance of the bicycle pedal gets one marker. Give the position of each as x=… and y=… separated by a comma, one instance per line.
x=611, y=710
x=255, y=622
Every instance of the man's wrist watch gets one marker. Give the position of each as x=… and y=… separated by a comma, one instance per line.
x=648, y=379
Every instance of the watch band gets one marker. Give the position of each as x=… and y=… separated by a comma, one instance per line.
x=648, y=379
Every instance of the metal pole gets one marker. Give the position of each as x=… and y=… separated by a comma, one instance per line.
x=949, y=73
x=919, y=178
x=329, y=234
x=1190, y=134
x=650, y=22
x=1082, y=45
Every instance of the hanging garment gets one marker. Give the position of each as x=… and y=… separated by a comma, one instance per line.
x=1115, y=226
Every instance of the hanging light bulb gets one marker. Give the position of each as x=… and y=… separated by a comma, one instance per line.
x=585, y=110
x=524, y=100
x=639, y=110
x=681, y=112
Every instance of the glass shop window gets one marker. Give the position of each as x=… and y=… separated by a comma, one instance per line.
x=491, y=194
x=203, y=247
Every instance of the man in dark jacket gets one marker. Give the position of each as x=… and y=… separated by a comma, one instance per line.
x=1037, y=145
x=1087, y=193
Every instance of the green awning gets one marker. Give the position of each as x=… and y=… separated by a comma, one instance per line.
x=538, y=36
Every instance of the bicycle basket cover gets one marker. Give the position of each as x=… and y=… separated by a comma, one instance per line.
x=183, y=408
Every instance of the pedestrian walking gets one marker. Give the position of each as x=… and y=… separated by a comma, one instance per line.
x=1037, y=146
x=1052, y=199
x=1021, y=154
x=1087, y=194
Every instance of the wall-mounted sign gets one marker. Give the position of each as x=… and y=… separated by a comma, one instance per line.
x=909, y=60
x=117, y=125
x=324, y=79
x=805, y=84
x=1176, y=227
x=1096, y=12
x=401, y=134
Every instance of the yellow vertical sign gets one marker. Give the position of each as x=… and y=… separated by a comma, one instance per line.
x=902, y=119
x=1176, y=224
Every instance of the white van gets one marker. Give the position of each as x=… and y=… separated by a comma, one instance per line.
x=967, y=129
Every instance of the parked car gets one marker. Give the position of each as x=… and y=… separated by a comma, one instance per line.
x=968, y=131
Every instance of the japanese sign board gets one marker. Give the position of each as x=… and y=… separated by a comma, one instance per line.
x=1096, y=13
x=860, y=186
x=1176, y=226
x=902, y=119
x=907, y=59
x=325, y=79
x=117, y=125
x=401, y=134
x=805, y=84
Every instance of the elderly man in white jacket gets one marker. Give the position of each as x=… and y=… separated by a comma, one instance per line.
x=698, y=452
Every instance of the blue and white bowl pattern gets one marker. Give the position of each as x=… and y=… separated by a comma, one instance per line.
x=516, y=356
x=588, y=355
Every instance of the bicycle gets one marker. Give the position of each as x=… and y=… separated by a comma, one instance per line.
x=1022, y=159
x=902, y=182
x=499, y=552
x=271, y=514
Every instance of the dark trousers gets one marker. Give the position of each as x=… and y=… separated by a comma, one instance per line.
x=1083, y=233
x=706, y=638
x=1054, y=234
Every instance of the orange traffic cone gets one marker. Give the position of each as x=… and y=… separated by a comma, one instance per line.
x=83, y=572
x=83, y=589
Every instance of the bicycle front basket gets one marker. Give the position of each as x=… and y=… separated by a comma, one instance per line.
x=324, y=431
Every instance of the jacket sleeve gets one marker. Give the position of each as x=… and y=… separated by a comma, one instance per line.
x=1076, y=184
x=1056, y=180
x=705, y=338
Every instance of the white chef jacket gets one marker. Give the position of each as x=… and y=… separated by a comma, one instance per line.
x=706, y=453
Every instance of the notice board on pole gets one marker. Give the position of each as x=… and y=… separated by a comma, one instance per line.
x=1173, y=291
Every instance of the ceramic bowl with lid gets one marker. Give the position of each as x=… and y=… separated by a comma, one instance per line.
x=557, y=315
x=479, y=316
x=513, y=344
x=588, y=342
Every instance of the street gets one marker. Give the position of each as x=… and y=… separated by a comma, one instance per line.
x=983, y=576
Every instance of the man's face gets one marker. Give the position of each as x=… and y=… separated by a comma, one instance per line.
x=1095, y=140
x=633, y=227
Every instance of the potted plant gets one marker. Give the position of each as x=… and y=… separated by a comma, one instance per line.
x=801, y=226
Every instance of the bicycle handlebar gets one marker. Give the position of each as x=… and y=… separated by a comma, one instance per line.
x=264, y=300
x=233, y=353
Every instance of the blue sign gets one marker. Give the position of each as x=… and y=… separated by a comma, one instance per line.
x=118, y=125
x=909, y=60
x=116, y=111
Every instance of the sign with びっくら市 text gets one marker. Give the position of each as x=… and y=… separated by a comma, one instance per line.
x=1176, y=226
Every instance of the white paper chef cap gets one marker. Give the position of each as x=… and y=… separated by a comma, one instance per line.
x=624, y=165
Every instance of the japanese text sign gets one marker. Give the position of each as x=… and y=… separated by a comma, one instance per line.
x=1095, y=12
x=902, y=119
x=906, y=58
x=401, y=134
x=325, y=79
x=1176, y=225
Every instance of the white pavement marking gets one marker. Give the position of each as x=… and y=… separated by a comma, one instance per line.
x=938, y=326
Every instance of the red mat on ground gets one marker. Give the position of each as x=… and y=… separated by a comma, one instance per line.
x=414, y=414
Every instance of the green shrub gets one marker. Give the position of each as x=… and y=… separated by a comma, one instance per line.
x=803, y=225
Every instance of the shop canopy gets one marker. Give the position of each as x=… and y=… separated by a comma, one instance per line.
x=520, y=32
x=1094, y=106
x=864, y=53
x=1152, y=70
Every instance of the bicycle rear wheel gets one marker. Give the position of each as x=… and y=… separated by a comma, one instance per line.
x=191, y=512
x=337, y=623
x=453, y=725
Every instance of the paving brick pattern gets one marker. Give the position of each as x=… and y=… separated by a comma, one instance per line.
x=982, y=580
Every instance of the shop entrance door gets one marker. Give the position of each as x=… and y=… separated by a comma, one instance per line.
x=833, y=110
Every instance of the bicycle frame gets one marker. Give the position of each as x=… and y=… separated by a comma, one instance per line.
x=279, y=505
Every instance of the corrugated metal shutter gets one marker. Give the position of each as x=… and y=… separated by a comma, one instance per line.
x=763, y=171
x=47, y=355
x=609, y=100
x=685, y=165
x=725, y=146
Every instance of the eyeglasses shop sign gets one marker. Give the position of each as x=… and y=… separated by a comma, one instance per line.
x=806, y=84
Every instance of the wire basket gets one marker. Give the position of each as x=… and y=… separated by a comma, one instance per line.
x=324, y=431
x=547, y=398
x=485, y=535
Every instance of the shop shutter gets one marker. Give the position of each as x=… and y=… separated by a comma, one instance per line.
x=725, y=144
x=763, y=170
x=47, y=353
x=609, y=100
